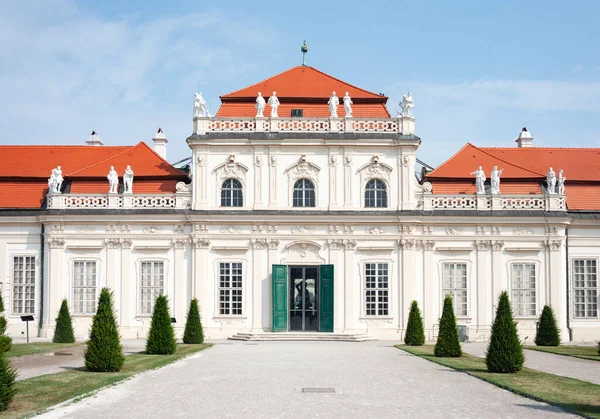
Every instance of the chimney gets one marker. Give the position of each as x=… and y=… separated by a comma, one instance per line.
x=525, y=139
x=94, y=139
x=160, y=143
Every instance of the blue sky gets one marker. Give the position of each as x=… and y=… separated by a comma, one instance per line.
x=479, y=70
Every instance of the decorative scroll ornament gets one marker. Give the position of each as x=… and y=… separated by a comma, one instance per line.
x=553, y=245
x=152, y=229
x=302, y=229
x=273, y=244
x=497, y=245
x=183, y=187
x=454, y=231
x=201, y=160
x=230, y=230
x=376, y=230
x=303, y=169
x=179, y=243
x=200, y=242
x=231, y=169
x=56, y=242
x=427, y=187
x=482, y=244
x=112, y=243
x=522, y=231
x=406, y=244
x=126, y=243
x=259, y=244
x=426, y=244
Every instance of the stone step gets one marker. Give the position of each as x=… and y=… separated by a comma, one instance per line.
x=301, y=336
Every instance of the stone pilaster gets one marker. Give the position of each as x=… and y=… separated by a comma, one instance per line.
x=259, y=245
x=351, y=288
x=336, y=256
x=180, y=286
x=483, y=286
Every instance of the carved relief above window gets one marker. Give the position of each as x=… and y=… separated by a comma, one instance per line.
x=375, y=170
x=303, y=177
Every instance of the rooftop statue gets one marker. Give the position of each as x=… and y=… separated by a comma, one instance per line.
x=347, y=105
x=333, y=103
x=407, y=105
x=274, y=104
x=479, y=180
x=260, y=105
x=561, y=182
x=113, y=180
x=55, y=181
x=495, y=180
x=127, y=180
x=200, y=106
x=551, y=181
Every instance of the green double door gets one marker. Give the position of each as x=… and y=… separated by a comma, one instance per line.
x=302, y=298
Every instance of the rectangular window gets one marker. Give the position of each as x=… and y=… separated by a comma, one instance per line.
x=585, y=288
x=523, y=289
x=455, y=284
x=23, y=285
x=376, y=289
x=230, y=288
x=152, y=284
x=84, y=287
x=297, y=113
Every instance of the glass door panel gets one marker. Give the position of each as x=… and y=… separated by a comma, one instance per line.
x=303, y=299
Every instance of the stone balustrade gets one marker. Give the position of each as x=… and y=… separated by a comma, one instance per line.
x=432, y=202
x=119, y=201
x=404, y=125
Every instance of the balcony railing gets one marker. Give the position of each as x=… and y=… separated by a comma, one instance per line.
x=120, y=201
x=432, y=202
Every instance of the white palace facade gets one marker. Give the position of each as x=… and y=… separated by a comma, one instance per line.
x=302, y=221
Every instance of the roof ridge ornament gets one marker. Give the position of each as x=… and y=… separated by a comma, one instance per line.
x=304, y=49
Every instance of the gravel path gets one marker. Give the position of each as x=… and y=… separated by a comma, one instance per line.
x=265, y=380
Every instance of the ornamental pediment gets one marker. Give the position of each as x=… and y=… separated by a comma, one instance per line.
x=231, y=168
x=303, y=169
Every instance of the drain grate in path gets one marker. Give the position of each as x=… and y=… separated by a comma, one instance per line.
x=318, y=390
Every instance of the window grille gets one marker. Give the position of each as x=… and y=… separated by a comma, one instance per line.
x=376, y=289
x=375, y=194
x=230, y=288
x=524, y=289
x=152, y=284
x=232, y=193
x=304, y=193
x=585, y=288
x=455, y=284
x=84, y=287
x=23, y=301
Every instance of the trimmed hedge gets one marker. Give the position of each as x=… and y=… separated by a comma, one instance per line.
x=547, y=333
x=64, y=326
x=161, y=338
x=415, y=335
x=447, y=343
x=104, y=352
x=505, y=352
x=193, y=333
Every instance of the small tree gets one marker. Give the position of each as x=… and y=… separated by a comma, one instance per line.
x=5, y=341
x=415, y=335
x=161, y=338
x=104, y=352
x=505, y=352
x=447, y=343
x=193, y=326
x=64, y=327
x=547, y=333
x=8, y=376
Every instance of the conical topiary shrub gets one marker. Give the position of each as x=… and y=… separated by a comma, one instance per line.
x=5, y=341
x=415, y=335
x=193, y=326
x=505, y=352
x=104, y=352
x=161, y=338
x=8, y=376
x=447, y=343
x=547, y=333
x=64, y=327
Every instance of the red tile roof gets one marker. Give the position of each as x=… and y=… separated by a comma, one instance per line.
x=24, y=170
x=524, y=171
x=306, y=88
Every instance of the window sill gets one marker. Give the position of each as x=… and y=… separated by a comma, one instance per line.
x=586, y=319
x=377, y=318
x=231, y=317
x=83, y=315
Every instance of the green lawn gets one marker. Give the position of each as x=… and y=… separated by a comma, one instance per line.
x=35, y=395
x=20, y=349
x=575, y=395
x=584, y=352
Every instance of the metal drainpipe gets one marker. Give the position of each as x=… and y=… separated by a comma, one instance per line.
x=42, y=251
x=567, y=279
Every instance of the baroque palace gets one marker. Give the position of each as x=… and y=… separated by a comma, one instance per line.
x=301, y=211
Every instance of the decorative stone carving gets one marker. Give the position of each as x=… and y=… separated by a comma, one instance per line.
x=58, y=228
x=407, y=159
x=201, y=242
x=200, y=106
x=260, y=105
x=112, y=243
x=482, y=244
x=201, y=228
x=335, y=244
x=481, y=231
x=349, y=244
x=374, y=170
x=497, y=245
x=406, y=244
x=201, y=160
x=273, y=244
x=479, y=180
x=496, y=231
x=427, y=187
x=348, y=105
x=55, y=181
x=561, y=182
x=153, y=230
x=495, y=180
x=183, y=187
x=258, y=161
x=274, y=104
x=333, y=103
x=56, y=242
x=406, y=229
x=179, y=243
x=341, y=229
x=426, y=244
x=261, y=229
x=259, y=244
x=348, y=160
x=302, y=229
x=115, y=228
x=553, y=245
x=230, y=230
x=230, y=169
x=333, y=160
x=375, y=230
x=86, y=229
x=551, y=181
x=552, y=231
x=128, y=180
x=454, y=231
x=518, y=231
x=427, y=230
x=407, y=105
x=273, y=161
x=303, y=169
x=113, y=180
x=126, y=243
x=178, y=229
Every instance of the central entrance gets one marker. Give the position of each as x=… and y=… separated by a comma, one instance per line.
x=304, y=298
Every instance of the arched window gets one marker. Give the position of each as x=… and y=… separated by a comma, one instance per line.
x=304, y=193
x=232, y=193
x=375, y=194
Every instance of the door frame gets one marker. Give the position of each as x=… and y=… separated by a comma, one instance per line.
x=318, y=294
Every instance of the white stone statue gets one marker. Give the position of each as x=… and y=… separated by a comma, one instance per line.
x=407, y=105
x=479, y=180
x=55, y=181
x=128, y=180
x=113, y=180
x=495, y=180
x=200, y=106
x=260, y=105
x=551, y=181
x=561, y=182
x=348, y=105
x=333, y=103
x=274, y=104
